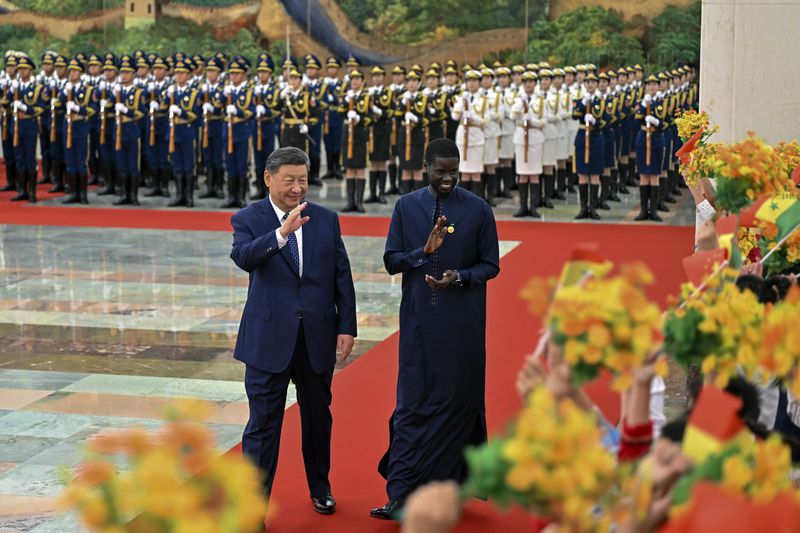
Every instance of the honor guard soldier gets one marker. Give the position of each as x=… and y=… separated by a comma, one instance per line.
x=493, y=110
x=505, y=168
x=609, y=139
x=266, y=94
x=297, y=107
x=651, y=113
x=412, y=110
x=94, y=75
x=549, y=113
x=142, y=80
x=55, y=118
x=355, y=140
x=590, y=111
x=213, y=103
x=43, y=78
x=334, y=118
x=664, y=79
x=380, y=134
x=468, y=110
x=240, y=110
x=452, y=89
x=29, y=100
x=565, y=140
x=628, y=124
x=198, y=71
x=182, y=115
x=104, y=95
x=527, y=113
x=318, y=90
x=398, y=88
x=6, y=107
x=437, y=106
x=76, y=98
x=159, y=128
x=129, y=111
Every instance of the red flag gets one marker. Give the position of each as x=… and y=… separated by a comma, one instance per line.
x=699, y=265
x=689, y=146
x=796, y=175
x=747, y=217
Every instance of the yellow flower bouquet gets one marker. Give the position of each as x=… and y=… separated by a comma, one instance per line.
x=758, y=470
x=171, y=480
x=552, y=463
x=700, y=164
x=690, y=123
x=606, y=324
x=778, y=354
x=718, y=328
x=784, y=257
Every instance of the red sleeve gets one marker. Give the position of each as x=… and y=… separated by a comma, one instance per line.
x=636, y=441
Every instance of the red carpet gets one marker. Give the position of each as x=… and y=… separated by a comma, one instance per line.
x=363, y=394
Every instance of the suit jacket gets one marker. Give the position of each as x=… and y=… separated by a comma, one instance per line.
x=277, y=296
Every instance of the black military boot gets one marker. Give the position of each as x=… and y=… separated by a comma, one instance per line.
x=523, y=210
x=156, y=185
x=58, y=177
x=373, y=188
x=110, y=187
x=594, y=199
x=180, y=192
x=676, y=182
x=47, y=167
x=604, y=192
x=393, y=180
x=490, y=181
x=644, y=199
x=189, y=196
x=561, y=184
x=330, y=172
x=233, y=188
x=508, y=182
x=261, y=187
x=22, y=187
x=382, y=187
x=548, y=182
x=313, y=175
x=83, y=184
x=74, y=196
x=11, y=176
x=583, y=193
x=613, y=186
x=662, y=195
x=671, y=186
x=133, y=188
x=536, y=194
x=623, y=178
x=219, y=182
x=243, y=191
x=360, y=184
x=654, y=200
x=350, y=190
x=125, y=197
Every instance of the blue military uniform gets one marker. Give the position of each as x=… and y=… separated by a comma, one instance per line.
x=184, y=109
x=213, y=115
x=106, y=132
x=78, y=104
x=6, y=97
x=318, y=89
x=29, y=101
x=590, y=164
x=266, y=96
x=48, y=58
x=240, y=109
x=129, y=110
x=650, y=116
x=158, y=131
x=334, y=122
x=94, y=130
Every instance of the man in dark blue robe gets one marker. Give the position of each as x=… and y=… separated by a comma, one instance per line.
x=443, y=240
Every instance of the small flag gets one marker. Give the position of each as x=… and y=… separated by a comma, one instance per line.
x=701, y=264
x=714, y=421
x=783, y=211
x=796, y=175
x=584, y=259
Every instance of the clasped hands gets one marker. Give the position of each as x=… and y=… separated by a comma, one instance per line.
x=435, y=240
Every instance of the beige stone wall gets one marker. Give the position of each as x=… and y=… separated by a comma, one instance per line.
x=629, y=8
x=213, y=16
x=748, y=68
x=64, y=27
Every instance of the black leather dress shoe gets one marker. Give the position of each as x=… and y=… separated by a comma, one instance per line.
x=390, y=511
x=325, y=504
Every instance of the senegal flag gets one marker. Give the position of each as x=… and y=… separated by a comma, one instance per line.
x=584, y=259
x=782, y=210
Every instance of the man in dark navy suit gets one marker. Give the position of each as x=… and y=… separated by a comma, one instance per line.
x=300, y=312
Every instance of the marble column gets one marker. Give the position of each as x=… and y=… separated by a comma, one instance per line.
x=749, y=71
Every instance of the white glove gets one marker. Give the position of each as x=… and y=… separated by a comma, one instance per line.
x=432, y=111
x=260, y=110
x=648, y=98
x=119, y=107
x=587, y=100
x=284, y=92
x=552, y=119
x=653, y=121
x=154, y=106
x=352, y=115
x=104, y=103
x=151, y=86
x=231, y=110
x=517, y=107
x=14, y=85
x=466, y=115
x=19, y=106
x=227, y=90
x=411, y=117
x=330, y=97
x=170, y=90
x=590, y=120
x=377, y=110
x=349, y=95
x=303, y=129
x=208, y=107
x=68, y=87
x=73, y=107
x=371, y=91
x=406, y=98
x=175, y=110
x=102, y=85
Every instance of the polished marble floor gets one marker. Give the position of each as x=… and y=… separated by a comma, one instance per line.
x=102, y=328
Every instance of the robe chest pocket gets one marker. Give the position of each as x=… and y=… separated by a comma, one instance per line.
x=258, y=311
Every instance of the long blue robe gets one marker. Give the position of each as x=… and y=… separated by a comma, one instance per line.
x=440, y=387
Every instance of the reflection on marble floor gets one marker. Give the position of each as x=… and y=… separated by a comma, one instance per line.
x=102, y=328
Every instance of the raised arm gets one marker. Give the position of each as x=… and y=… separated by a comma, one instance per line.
x=396, y=257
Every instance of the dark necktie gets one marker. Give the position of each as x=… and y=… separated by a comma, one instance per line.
x=291, y=242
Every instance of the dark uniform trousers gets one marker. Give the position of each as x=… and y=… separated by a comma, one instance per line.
x=266, y=394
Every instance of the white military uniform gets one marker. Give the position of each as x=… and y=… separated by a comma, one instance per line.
x=576, y=93
x=507, y=125
x=528, y=113
x=469, y=110
x=564, y=118
x=549, y=105
x=492, y=116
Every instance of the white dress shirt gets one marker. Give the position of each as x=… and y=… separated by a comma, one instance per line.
x=281, y=241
